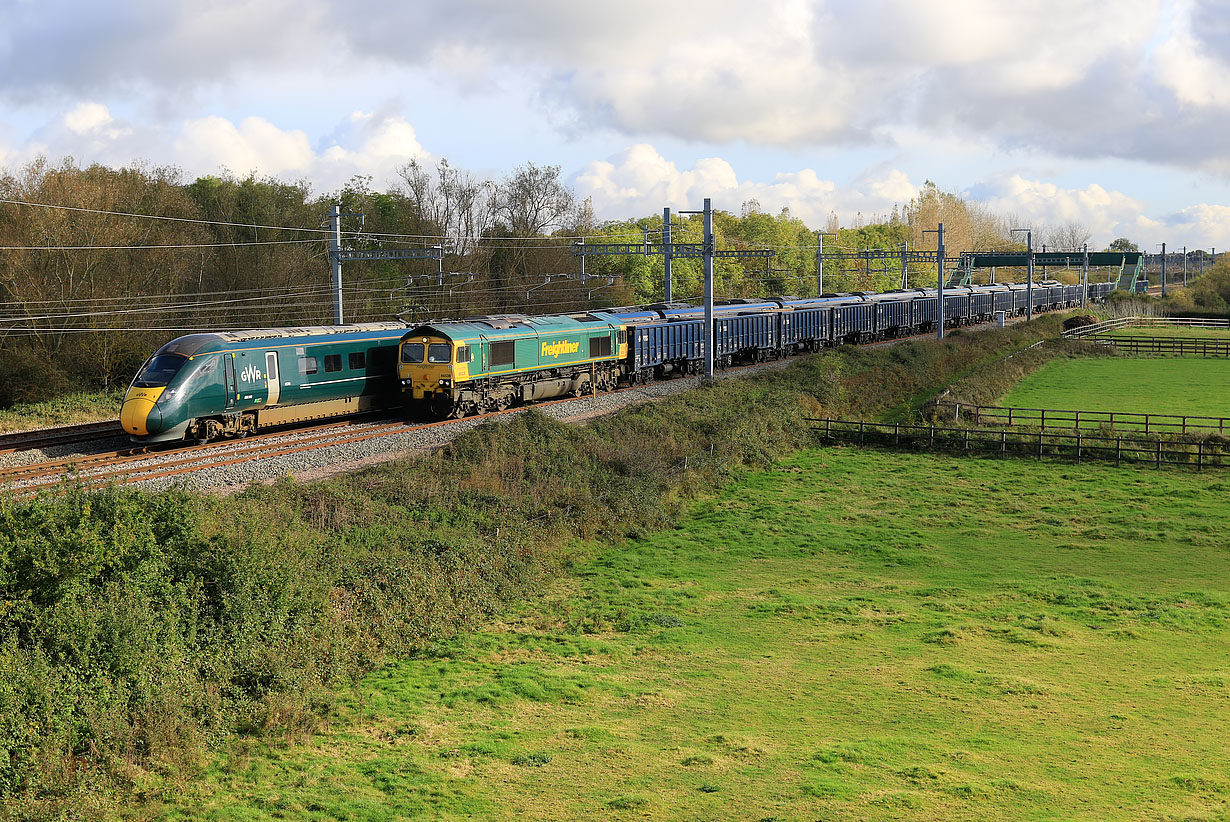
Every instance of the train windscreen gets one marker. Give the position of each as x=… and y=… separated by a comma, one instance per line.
x=159, y=371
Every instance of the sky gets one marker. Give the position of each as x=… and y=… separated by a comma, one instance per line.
x=1109, y=113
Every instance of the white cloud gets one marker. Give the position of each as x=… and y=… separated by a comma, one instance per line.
x=1088, y=78
x=1107, y=214
x=639, y=181
x=255, y=145
x=373, y=144
x=1201, y=226
x=87, y=117
x=1186, y=67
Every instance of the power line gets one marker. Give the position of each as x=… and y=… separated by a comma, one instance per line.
x=145, y=247
x=323, y=231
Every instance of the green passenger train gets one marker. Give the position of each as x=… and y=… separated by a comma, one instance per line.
x=204, y=386
x=453, y=369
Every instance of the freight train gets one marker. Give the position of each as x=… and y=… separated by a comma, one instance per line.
x=205, y=386
x=454, y=369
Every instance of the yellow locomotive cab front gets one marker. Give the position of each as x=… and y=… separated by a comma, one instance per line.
x=426, y=367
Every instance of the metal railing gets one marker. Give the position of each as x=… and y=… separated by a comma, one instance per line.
x=1085, y=420
x=1080, y=447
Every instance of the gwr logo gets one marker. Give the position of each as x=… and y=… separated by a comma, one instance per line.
x=251, y=374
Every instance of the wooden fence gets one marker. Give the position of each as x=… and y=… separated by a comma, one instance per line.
x=1145, y=322
x=1081, y=447
x=1166, y=346
x=1087, y=420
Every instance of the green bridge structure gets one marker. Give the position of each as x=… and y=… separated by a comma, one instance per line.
x=1129, y=265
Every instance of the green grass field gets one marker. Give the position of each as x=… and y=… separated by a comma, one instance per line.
x=849, y=636
x=1179, y=332
x=1151, y=385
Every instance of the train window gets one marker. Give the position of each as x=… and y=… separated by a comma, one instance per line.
x=599, y=347
x=159, y=371
x=307, y=365
x=439, y=352
x=333, y=362
x=463, y=353
x=413, y=352
x=358, y=360
x=503, y=353
x=623, y=336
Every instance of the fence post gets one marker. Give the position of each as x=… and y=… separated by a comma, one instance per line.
x=1200, y=455
x=1184, y=423
x=965, y=447
x=932, y=443
x=1158, y=463
x=897, y=434
x=860, y=433
x=828, y=428
x=1118, y=450
x=1078, y=446
x=1010, y=417
x=1147, y=422
x=1003, y=444
x=1039, y=445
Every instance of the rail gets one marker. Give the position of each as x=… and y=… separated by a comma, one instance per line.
x=1080, y=447
x=1068, y=418
x=1145, y=322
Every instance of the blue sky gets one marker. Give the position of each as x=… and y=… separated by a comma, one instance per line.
x=1110, y=114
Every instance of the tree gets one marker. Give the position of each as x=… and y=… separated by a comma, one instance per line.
x=1122, y=244
x=1068, y=237
x=532, y=200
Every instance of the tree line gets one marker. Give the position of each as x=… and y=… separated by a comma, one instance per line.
x=86, y=293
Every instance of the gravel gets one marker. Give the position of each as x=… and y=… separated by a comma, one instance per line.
x=320, y=462
x=66, y=451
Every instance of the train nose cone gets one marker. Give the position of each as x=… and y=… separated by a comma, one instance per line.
x=139, y=415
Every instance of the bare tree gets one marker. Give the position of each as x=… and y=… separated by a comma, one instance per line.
x=533, y=200
x=458, y=203
x=1069, y=236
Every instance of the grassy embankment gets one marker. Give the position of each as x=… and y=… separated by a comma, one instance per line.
x=849, y=635
x=1171, y=385
x=138, y=632
x=86, y=406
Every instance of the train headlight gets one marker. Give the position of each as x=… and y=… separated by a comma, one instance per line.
x=445, y=383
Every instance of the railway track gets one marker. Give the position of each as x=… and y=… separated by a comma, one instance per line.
x=138, y=464
x=62, y=435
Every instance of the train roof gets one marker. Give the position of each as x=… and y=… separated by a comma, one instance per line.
x=485, y=325
x=193, y=344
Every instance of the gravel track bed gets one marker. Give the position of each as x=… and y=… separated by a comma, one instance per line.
x=63, y=451
x=331, y=459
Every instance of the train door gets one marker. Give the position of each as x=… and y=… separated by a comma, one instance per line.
x=272, y=378
x=231, y=383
